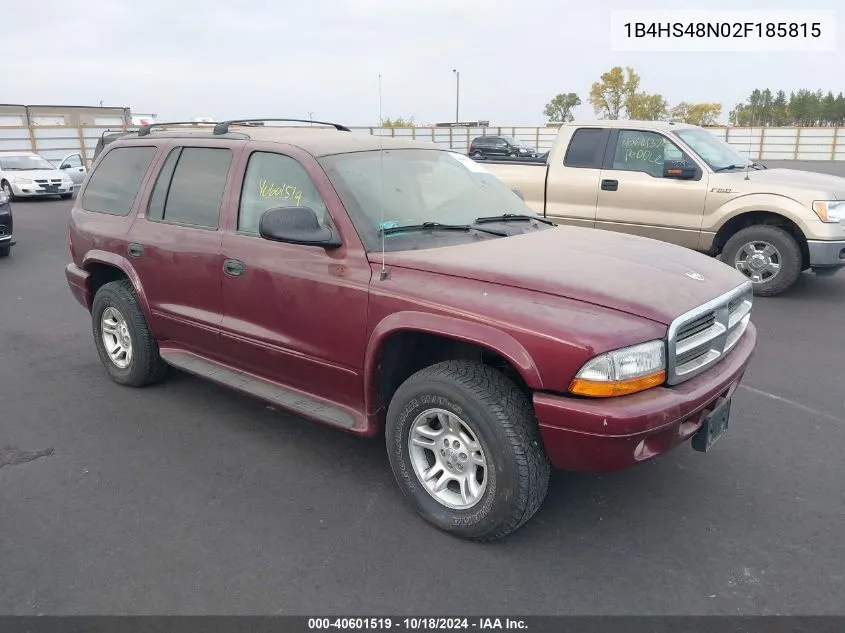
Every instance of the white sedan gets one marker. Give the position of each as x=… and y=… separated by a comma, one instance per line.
x=28, y=175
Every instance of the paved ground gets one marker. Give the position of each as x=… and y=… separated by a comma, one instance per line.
x=187, y=498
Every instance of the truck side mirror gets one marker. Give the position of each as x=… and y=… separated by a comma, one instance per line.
x=679, y=169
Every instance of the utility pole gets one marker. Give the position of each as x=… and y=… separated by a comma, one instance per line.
x=457, y=95
x=311, y=117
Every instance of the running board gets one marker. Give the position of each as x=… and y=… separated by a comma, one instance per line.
x=288, y=399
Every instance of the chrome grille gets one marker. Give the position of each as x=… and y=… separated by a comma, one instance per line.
x=701, y=337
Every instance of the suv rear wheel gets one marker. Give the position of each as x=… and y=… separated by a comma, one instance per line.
x=768, y=255
x=465, y=447
x=126, y=348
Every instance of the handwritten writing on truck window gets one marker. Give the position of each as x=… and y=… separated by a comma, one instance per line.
x=283, y=191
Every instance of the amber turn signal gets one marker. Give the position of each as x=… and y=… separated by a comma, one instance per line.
x=610, y=389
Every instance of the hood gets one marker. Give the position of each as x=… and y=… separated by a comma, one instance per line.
x=632, y=274
x=38, y=174
x=778, y=179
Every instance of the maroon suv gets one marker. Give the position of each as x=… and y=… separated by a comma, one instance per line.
x=390, y=286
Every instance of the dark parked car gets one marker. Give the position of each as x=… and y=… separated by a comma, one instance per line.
x=390, y=287
x=500, y=146
x=6, y=224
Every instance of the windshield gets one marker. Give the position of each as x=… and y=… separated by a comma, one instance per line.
x=712, y=150
x=409, y=187
x=24, y=163
x=515, y=141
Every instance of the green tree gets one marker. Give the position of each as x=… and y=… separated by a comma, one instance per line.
x=616, y=87
x=780, y=110
x=645, y=107
x=703, y=114
x=398, y=122
x=559, y=109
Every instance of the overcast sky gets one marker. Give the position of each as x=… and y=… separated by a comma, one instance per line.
x=184, y=59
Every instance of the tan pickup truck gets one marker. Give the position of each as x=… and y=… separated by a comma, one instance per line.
x=682, y=184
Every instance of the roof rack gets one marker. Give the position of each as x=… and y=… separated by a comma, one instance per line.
x=111, y=131
x=144, y=130
x=223, y=128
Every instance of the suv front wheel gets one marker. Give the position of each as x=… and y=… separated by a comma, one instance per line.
x=126, y=347
x=465, y=447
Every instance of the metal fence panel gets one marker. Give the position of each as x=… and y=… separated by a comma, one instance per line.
x=770, y=143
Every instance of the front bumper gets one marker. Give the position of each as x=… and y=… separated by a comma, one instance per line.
x=37, y=190
x=824, y=254
x=601, y=435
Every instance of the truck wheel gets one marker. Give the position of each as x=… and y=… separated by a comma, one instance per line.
x=126, y=348
x=768, y=255
x=465, y=447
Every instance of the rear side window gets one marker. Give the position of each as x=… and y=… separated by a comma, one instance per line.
x=586, y=149
x=114, y=184
x=189, y=188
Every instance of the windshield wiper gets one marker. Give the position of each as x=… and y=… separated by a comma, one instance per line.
x=727, y=167
x=512, y=217
x=428, y=226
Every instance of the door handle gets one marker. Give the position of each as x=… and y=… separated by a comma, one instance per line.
x=609, y=185
x=233, y=267
x=135, y=250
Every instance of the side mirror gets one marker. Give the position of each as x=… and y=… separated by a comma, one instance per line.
x=679, y=169
x=296, y=225
x=519, y=193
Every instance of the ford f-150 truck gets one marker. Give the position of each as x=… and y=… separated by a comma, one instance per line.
x=682, y=184
x=390, y=287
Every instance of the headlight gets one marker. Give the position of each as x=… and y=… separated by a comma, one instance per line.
x=830, y=210
x=622, y=371
x=22, y=181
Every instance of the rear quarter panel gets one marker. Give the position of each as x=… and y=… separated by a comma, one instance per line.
x=529, y=179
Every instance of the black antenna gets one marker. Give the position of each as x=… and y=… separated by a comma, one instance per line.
x=383, y=276
x=223, y=128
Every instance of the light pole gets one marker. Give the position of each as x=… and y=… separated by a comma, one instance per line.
x=457, y=95
x=311, y=117
x=379, y=101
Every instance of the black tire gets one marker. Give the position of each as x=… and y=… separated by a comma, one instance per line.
x=476, y=154
x=66, y=196
x=5, y=251
x=5, y=186
x=145, y=366
x=788, y=252
x=503, y=421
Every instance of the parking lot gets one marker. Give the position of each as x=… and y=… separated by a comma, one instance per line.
x=188, y=498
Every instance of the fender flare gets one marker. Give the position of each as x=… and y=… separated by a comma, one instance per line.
x=481, y=334
x=122, y=264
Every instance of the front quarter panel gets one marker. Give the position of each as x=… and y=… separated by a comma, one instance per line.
x=547, y=338
x=723, y=206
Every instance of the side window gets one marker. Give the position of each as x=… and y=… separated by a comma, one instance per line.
x=586, y=148
x=114, y=185
x=274, y=180
x=189, y=188
x=155, y=207
x=73, y=162
x=644, y=151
